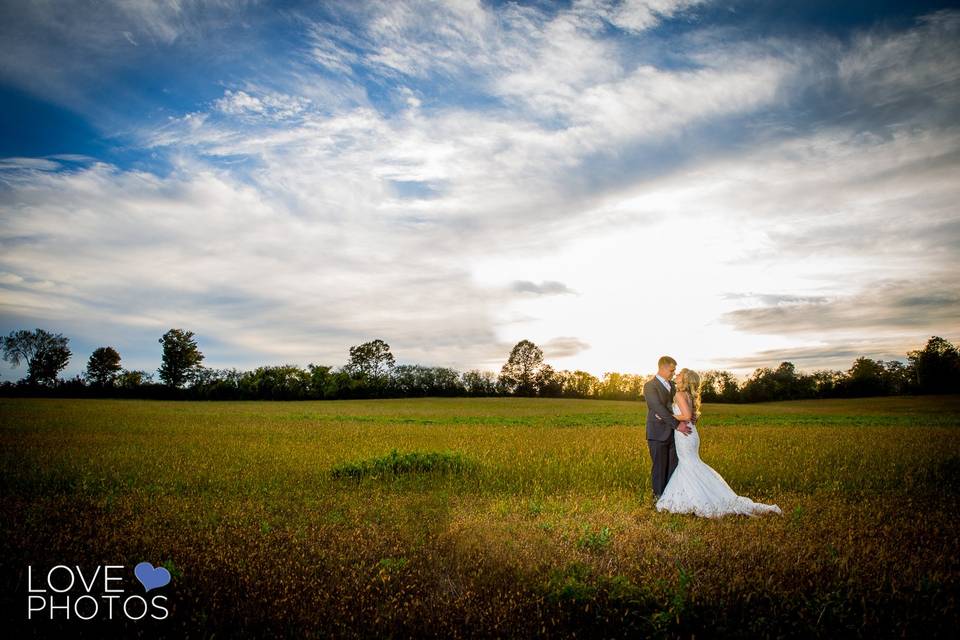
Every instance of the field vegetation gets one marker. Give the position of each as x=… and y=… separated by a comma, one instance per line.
x=453, y=517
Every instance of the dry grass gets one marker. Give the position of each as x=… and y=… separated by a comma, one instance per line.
x=552, y=532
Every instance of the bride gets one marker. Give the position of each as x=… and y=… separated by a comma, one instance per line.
x=694, y=486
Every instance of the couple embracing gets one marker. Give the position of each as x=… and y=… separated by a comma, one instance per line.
x=682, y=482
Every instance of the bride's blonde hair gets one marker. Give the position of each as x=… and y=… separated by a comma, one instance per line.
x=691, y=384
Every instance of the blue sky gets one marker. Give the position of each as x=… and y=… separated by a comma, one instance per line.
x=734, y=184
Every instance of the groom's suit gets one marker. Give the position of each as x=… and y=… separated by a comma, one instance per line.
x=660, y=429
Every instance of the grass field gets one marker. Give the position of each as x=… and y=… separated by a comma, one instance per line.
x=533, y=518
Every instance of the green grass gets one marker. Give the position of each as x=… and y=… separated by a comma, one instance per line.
x=394, y=465
x=455, y=517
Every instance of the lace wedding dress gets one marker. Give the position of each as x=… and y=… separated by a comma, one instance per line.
x=694, y=486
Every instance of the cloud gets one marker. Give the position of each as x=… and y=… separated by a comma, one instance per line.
x=28, y=164
x=331, y=47
x=503, y=169
x=833, y=202
x=547, y=287
x=909, y=74
x=271, y=105
x=775, y=299
x=15, y=169
x=830, y=355
x=72, y=157
x=70, y=52
x=225, y=262
x=632, y=16
x=884, y=305
x=564, y=347
x=388, y=151
x=418, y=39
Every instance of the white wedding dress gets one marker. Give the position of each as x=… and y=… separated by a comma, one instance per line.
x=695, y=487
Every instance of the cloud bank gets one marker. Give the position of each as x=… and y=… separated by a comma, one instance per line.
x=443, y=175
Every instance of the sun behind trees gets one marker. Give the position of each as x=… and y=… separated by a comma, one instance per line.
x=933, y=369
x=372, y=372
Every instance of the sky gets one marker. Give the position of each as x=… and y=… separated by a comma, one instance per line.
x=734, y=184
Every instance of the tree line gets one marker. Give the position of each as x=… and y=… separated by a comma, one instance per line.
x=371, y=372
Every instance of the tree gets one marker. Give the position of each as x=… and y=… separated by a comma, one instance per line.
x=218, y=384
x=548, y=382
x=370, y=359
x=867, y=377
x=828, y=383
x=181, y=358
x=519, y=373
x=409, y=380
x=479, y=383
x=580, y=384
x=613, y=386
x=785, y=382
x=132, y=379
x=46, y=354
x=320, y=376
x=340, y=384
x=936, y=367
x=103, y=366
x=633, y=386
x=782, y=383
x=283, y=382
x=898, y=377
x=719, y=386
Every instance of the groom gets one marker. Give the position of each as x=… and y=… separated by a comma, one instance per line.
x=658, y=393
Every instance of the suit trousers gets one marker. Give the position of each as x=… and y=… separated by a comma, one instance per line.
x=663, y=455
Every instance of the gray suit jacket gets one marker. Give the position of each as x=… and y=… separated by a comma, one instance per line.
x=660, y=421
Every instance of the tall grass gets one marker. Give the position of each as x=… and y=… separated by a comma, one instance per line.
x=448, y=517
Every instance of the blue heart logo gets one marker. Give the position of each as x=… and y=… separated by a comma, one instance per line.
x=151, y=577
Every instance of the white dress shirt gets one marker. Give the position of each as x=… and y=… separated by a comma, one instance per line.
x=664, y=382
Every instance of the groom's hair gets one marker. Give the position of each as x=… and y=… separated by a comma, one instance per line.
x=665, y=361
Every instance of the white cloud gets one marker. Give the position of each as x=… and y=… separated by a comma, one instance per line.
x=917, y=65
x=166, y=251
x=634, y=15
x=273, y=105
x=66, y=51
x=563, y=347
x=36, y=164
x=547, y=287
x=282, y=231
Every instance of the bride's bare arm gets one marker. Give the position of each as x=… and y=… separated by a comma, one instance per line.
x=684, y=414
